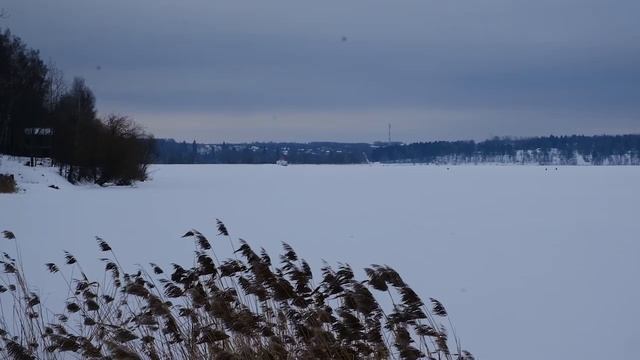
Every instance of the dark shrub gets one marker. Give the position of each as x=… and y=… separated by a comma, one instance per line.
x=7, y=183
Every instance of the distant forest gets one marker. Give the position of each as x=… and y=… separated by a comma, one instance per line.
x=169, y=151
x=548, y=150
x=558, y=150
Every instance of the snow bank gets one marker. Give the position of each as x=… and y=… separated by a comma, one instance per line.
x=31, y=177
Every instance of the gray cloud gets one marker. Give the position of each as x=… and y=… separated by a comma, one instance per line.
x=228, y=70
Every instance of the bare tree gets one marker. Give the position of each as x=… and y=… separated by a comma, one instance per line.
x=57, y=86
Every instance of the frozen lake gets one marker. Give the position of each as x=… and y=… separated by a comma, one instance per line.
x=531, y=263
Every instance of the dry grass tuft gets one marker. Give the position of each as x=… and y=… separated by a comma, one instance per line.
x=8, y=183
x=240, y=308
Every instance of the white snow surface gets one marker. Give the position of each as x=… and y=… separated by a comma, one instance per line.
x=530, y=263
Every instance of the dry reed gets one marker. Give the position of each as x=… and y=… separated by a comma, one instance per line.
x=245, y=307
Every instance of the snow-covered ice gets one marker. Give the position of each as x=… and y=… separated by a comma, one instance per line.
x=530, y=263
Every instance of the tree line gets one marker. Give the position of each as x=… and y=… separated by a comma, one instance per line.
x=169, y=151
x=43, y=116
x=559, y=150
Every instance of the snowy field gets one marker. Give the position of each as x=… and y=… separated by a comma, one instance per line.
x=531, y=264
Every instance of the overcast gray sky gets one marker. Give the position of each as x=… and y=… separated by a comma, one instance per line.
x=234, y=70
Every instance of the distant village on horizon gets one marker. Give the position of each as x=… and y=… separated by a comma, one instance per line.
x=558, y=150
